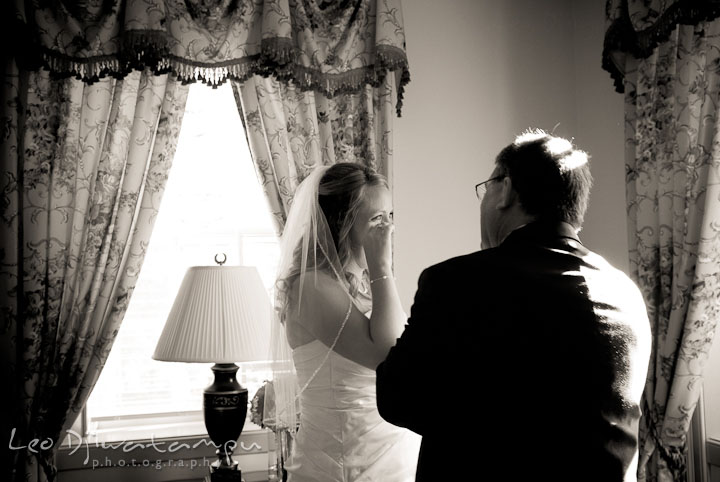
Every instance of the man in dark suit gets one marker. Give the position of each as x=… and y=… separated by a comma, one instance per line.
x=527, y=358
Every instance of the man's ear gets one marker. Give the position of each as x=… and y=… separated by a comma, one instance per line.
x=508, y=195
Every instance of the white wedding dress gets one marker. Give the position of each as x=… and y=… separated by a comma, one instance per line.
x=342, y=437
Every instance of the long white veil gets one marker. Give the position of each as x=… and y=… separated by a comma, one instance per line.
x=306, y=247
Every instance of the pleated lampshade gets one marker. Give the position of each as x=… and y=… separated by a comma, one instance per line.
x=221, y=314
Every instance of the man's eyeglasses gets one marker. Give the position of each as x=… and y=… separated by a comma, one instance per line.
x=480, y=188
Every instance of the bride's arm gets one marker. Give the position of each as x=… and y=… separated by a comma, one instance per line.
x=323, y=308
x=387, y=321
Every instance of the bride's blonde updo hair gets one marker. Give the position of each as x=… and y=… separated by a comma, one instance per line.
x=340, y=192
x=340, y=196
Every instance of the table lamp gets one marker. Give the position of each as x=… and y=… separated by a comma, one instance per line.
x=221, y=315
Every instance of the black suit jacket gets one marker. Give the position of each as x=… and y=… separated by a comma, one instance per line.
x=528, y=358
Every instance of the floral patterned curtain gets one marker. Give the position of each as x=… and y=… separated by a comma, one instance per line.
x=634, y=28
x=671, y=80
x=290, y=132
x=328, y=46
x=84, y=168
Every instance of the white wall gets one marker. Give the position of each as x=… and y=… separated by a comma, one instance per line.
x=483, y=71
x=599, y=131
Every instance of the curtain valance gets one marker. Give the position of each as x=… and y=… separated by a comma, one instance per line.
x=636, y=27
x=329, y=46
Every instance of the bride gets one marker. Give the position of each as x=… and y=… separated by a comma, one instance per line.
x=339, y=314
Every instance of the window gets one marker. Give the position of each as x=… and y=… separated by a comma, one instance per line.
x=213, y=203
x=711, y=392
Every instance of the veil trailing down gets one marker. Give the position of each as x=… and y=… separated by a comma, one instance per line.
x=306, y=247
x=324, y=409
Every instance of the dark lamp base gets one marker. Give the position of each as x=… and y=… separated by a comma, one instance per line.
x=225, y=475
x=225, y=407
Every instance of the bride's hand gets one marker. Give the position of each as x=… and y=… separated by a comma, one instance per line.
x=378, y=248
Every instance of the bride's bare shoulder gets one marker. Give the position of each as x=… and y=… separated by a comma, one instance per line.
x=321, y=294
x=317, y=284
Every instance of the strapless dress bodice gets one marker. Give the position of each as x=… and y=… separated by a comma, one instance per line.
x=342, y=437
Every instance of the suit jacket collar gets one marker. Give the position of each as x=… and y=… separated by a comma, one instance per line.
x=544, y=233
